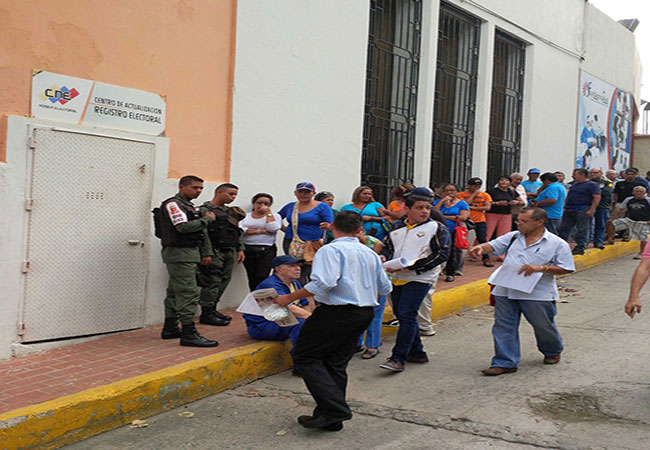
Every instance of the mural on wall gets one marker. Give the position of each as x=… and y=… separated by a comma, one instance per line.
x=604, y=125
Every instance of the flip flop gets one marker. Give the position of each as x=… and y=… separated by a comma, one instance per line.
x=370, y=353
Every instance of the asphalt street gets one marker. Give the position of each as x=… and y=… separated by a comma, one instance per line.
x=597, y=397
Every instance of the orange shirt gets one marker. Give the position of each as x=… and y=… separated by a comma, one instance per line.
x=480, y=199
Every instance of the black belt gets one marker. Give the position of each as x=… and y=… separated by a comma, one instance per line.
x=258, y=248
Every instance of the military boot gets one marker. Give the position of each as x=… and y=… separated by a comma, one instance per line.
x=170, y=329
x=190, y=337
x=209, y=317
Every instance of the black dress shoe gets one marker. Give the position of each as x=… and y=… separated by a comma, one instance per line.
x=212, y=319
x=222, y=316
x=320, y=422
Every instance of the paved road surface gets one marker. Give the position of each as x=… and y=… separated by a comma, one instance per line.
x=597, y=397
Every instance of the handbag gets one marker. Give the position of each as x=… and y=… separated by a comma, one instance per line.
x=298, y=248
x=461, y=241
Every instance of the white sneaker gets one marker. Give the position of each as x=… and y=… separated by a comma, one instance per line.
x=427, y=332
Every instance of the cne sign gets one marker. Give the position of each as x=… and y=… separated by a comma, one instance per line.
x=86, y=102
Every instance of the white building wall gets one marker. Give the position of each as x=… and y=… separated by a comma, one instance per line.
x=299, y=96
x=611, y=52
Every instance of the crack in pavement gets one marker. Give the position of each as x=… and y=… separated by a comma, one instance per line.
x=433, y=420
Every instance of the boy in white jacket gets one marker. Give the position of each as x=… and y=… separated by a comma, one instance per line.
x=425, y=243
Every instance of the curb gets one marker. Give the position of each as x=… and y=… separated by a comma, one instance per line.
x=72, y=418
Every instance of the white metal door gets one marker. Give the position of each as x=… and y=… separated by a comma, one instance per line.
x=88, y=232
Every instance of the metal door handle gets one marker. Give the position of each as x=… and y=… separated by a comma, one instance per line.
x=134, y=242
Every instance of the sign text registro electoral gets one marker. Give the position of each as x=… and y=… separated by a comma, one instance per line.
x=86, y=102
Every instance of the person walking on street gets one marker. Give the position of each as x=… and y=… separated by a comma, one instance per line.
x=581, y=203
x=640, y=277
x=533, y=249
x=425, y=243
x=602, y=210
x=225, y=236
x=346, y=280
x=551, y=199
x=182, y=230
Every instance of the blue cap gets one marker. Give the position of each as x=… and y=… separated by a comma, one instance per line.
x=285, y=259
x=534, y=170
x=306, y=186
x=421, y=191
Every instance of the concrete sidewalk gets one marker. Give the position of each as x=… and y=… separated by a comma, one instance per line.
x=74, y=392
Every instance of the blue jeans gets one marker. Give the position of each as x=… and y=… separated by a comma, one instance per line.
x=552, y=225
x=600, y=218
x=507, y=314
x=580, y=219
x=373, y=333
x=406, y=303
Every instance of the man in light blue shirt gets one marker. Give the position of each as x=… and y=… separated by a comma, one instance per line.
x=551, y=199
x=346, y=279
x=531, y=249
x=532, y=185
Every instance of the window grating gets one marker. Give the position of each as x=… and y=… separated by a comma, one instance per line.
x=504, y=149
x=455, y=97
x=391, y=94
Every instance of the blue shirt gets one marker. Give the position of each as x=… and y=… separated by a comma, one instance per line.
x=273, y=282
x=531, y=186
x=371, y=209
x=581, y=195
x=453, y=211
x=308, y=222
x=550, y=250
x=346, y=272
x=557, y=192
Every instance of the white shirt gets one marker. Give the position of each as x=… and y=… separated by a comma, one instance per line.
x=260, y=239
x=550, y=250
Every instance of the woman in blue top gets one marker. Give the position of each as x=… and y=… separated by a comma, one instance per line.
x=313, y=218
x=456, y=211
x=372, y=212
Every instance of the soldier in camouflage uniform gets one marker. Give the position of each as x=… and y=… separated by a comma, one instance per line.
x=225, y=237
x=182, y=230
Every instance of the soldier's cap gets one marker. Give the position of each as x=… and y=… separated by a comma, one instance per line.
x=285, y=259
x=421, y=191
x=235, y=214
x=305, y=185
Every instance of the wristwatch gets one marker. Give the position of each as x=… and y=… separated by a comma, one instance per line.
x=269, y=215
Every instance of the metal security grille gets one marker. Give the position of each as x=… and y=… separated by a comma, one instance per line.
x=455, y=100
x=504, y=148
x=89, y=227
x=391, y=94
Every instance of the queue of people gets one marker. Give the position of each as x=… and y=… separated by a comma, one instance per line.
x=331, y=276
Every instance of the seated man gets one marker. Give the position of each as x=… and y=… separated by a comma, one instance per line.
x=636, y=220
x=286, y=271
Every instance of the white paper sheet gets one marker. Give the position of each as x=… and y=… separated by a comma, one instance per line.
x=506, y=276
x=250, y=306
x=396, y=264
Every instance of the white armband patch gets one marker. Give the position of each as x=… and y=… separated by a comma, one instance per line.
x=176, y=214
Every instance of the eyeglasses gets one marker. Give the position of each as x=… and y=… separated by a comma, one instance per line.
x=263, y=203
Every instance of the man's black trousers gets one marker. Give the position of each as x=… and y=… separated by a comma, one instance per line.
x=326, y=343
